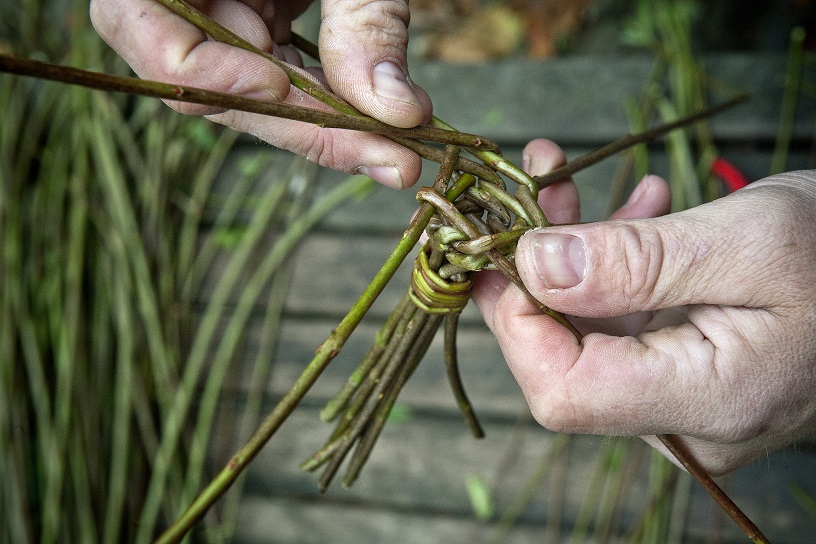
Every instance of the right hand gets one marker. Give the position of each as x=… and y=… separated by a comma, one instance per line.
x=700, y=324
x=362, y=44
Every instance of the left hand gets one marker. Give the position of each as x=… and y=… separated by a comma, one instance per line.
x=363, y=46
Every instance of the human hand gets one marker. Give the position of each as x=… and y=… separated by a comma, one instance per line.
x=362, y=46
x=700, y=324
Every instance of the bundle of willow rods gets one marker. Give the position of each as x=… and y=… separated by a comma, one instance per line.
x=475, y=226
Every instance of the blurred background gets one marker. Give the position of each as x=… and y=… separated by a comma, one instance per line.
x=164, y=281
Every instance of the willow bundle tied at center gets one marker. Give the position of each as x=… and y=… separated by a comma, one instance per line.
x=475, y=226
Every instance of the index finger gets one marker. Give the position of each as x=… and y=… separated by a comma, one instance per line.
x=160, y=45
x=623, y=386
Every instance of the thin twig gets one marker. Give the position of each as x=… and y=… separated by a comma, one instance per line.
x=677, y=448
x=455, y=380
x=596, y=156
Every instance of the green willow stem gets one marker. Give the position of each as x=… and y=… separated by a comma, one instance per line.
x=508, y=201
x=368, y=422
x=402, y=314
x=324, y=354
x=367, y=441
x=499, y=163
x=522, y=500
x=362, y=412
x=530, y=205
x=790, y=100
x=455, y=380
x=381, y=340
x=487, y=242
x=325, y=119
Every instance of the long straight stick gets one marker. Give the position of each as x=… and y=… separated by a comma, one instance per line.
x=326, y=119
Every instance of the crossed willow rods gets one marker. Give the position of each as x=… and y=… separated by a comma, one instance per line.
x=473, y=223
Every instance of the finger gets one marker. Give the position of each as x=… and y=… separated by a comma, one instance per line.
x=363, y=52
x=159, y=45
x=559, y=202
x=688, y=379
x=651, y=198
x=347, y=151
x=719, y=253
x=606, y=384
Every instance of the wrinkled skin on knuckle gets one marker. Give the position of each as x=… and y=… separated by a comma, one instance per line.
x=386, y=26
x=637, y=268
x=319, y=146
x=377, y=24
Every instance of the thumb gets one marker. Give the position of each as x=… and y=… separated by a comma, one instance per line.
x=363, y=52
x=713, y=254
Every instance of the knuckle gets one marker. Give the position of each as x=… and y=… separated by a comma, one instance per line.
x=382, y=22
x=555, y=413
x=318, y=146
x=640, y=265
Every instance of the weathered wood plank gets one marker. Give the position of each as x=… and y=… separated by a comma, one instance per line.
x=418, y=471
x=579, y=99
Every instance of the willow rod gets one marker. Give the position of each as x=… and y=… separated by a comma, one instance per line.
x=621, y=144
x=325, y=119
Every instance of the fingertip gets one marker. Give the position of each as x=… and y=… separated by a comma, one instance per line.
x=364, y=50
x=650, y=198
x=561, y=202
x=541, y=156
x=488, y=287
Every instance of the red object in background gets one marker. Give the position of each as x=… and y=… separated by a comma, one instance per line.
x=730, y=174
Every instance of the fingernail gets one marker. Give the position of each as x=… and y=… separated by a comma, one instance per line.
x=535, y=166
x=265, y=94
x=559, y=259
x=391, y=82
x=387, y=175
x=641, y=189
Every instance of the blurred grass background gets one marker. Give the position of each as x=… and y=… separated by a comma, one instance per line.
x=117, y=329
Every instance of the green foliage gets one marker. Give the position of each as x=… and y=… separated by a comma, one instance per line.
x=399, y=413
x=806, y=500
x=481, y=499
x=679, y=86
x=112, y=218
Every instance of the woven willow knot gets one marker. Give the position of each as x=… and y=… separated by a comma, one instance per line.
x=434, y=294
